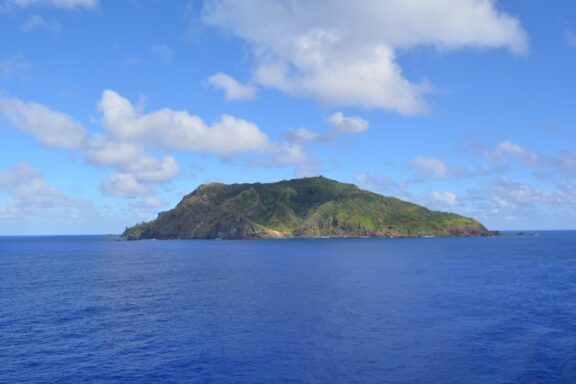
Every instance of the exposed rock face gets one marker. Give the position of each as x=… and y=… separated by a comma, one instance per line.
x=310, y=207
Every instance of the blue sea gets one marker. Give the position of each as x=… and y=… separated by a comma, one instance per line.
x=429, y=310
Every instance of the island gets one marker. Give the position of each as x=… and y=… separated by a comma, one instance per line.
x=313, y=207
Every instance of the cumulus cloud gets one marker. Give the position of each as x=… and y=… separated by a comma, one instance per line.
x=132, y=159
x=57, y=4
x=232, y=88
x=152, y=170
x=348, y=124
x=134, y=169
x=343, y=53
x=11, y=66
x=34, y=22
x=124, y=185
x=164, y=52
x=49, y=127
x=169, y=129
x=130, y=136
x=101, y=151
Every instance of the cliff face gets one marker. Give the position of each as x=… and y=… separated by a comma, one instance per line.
x=310, y=207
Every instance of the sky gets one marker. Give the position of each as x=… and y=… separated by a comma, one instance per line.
x=112, y=110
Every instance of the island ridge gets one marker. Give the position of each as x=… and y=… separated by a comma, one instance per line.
x=311, y=207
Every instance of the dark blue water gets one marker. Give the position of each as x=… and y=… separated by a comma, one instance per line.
x=439, y=310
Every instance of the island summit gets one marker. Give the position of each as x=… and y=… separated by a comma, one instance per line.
x=313, y=207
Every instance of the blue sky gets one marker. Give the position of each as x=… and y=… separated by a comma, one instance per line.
x=111, y=111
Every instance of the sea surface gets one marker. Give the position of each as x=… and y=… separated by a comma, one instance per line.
x=430, y=310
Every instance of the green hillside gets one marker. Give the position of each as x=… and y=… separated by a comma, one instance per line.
x=309, y=207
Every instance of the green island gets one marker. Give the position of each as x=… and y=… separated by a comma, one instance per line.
x=313, y=207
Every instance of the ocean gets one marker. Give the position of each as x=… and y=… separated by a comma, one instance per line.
x=92, y=309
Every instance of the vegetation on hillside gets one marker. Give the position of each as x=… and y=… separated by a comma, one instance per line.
x=308, y=207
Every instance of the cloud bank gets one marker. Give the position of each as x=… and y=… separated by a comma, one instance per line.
x=131, y=137
x=344, y=53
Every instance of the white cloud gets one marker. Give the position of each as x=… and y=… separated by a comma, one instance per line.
x=444, y=198
x=344, y=53
x=124, y=185
x=152, y=170
x=49, y=127
x=505, y=202
x=130, y=134
x=30, y=197
x=58, y=4
x=29, y=205
x=38, y=22
x=507, y=148
x=301, y=135
x=549, y=166
x=288, y=154
x=348, y=124
x=129, y=130
x=508, y=193
x=168, y=129
x=130, y=158
x=430, y=168
x=101, y=151
x=339, y=124
x=131, y=163
x=232, y=88
x=12, y=178
x=135, y=171
x=164, y=52
x=13, y=65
